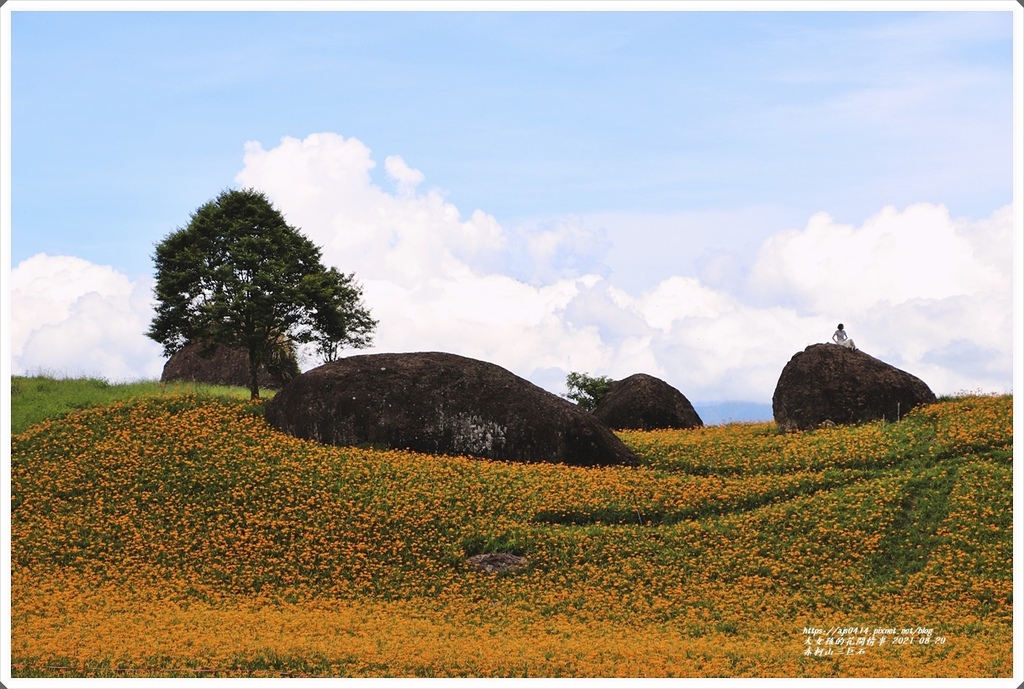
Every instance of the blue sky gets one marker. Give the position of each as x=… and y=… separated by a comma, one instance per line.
x=622, y=163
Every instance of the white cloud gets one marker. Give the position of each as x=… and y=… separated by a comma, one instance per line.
x=72, y=317
x=551, y=250
x=404, y=176
x=323, y=186
x=434, y=279
x=919, y=253
x=916, y=288
x=539, y=299
x=715, y=245
x=494, y=318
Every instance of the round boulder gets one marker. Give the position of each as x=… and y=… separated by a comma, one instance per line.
x=829, y=384
x=223, y=365
x=493, y=563
x=643, y=402
x=439, y=403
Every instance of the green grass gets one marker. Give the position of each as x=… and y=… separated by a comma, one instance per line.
x=41, y=397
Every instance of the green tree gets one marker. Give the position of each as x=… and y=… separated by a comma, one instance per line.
x=585, y=390
x=338, y=325
x=239, y=275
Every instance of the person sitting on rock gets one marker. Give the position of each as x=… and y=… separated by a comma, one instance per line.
x=841, y=338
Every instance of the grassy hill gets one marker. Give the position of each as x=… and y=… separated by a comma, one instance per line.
x=170, y=534
x=36, y=398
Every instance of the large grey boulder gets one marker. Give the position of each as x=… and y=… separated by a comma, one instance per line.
x=440, y=403
x=830, y=383
x=223, y=365
x=643, y=402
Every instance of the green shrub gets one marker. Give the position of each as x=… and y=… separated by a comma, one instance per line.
x=586, y=390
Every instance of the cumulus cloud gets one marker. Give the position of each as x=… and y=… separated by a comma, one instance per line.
x=434, y=278
x=551, y=250
x=895, y=256
x=926, y=292
x=404, y=176
x=539, y=300
x=917, y=288
x=72, y=317
x=322, y=184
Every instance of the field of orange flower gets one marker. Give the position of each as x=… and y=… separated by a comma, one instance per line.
x=184, y=537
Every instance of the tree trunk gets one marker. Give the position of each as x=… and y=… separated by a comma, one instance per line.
x=254, y=369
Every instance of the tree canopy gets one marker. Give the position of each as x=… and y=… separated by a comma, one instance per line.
x=239, y=275
x=586, y=390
